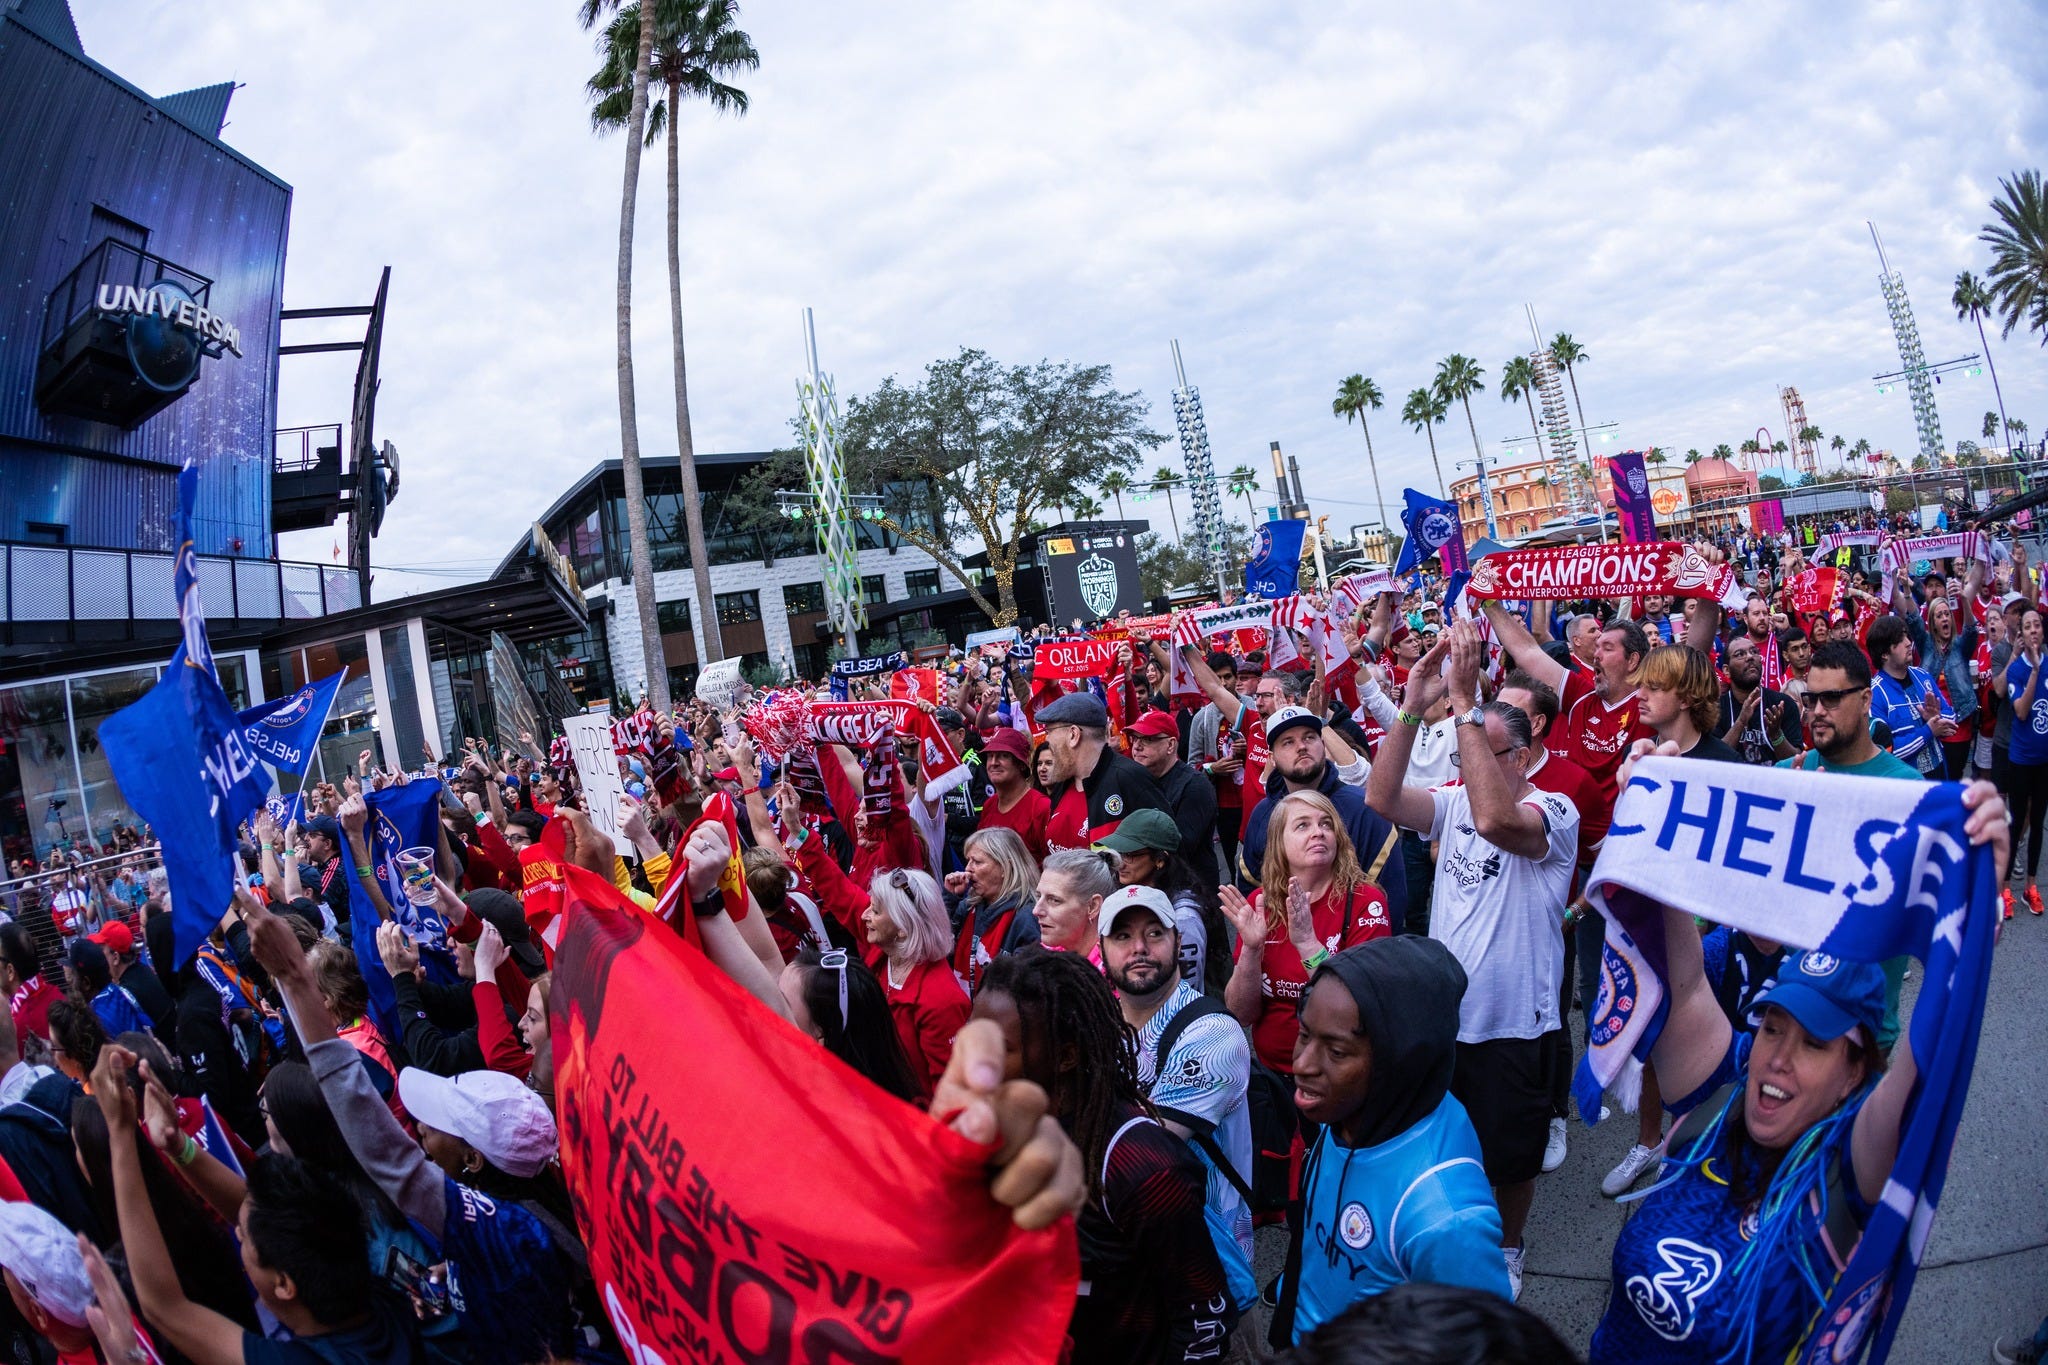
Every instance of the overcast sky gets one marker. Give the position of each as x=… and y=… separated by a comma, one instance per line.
x=1295, y=192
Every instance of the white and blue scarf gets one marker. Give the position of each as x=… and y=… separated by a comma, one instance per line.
x=868, y=666
x=1863, y=868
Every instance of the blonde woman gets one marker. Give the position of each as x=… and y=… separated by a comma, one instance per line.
x=991, y=901
x=902, y=919
x=1071, y=886
x=1315, y=902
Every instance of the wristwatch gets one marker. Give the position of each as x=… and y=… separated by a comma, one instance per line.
x=1476, y=716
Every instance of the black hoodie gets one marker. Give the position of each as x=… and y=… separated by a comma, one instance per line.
x=1408, y=990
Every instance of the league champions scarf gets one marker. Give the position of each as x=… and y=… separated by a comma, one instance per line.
x=1653, y=569
x=1887, y=869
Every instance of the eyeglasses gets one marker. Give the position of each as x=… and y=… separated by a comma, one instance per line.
x=1834, y=696
x=834, y=960
x=1497, y=753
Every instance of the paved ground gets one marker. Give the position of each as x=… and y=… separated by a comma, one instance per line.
x=1986, y=1269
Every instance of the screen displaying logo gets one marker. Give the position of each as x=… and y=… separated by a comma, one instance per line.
x=1098, y=585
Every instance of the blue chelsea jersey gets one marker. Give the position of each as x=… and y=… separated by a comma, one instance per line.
x=1672, y=1296
x=1415, y=1208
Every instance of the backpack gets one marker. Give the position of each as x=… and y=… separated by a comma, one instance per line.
x=1269, y=1102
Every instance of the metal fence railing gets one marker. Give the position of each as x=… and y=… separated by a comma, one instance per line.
x=30, y=898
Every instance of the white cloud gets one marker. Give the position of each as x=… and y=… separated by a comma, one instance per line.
x=1294, y=192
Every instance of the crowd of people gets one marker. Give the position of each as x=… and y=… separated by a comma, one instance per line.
x=1275, y=942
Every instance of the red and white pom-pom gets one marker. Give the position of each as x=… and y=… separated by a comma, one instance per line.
x=780, y=723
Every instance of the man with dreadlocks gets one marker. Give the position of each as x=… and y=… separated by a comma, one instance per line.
x=1152, y=1288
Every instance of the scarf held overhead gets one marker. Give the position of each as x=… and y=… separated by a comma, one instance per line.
x=1659, y=569
x=1855, y=869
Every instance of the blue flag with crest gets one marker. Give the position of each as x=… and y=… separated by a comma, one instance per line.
x=1432, y=526
x=1274, y=570
x=401, y=817
x=182, y=763
x=286, y=731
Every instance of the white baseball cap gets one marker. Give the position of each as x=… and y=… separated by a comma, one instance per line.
x=492, y=1112
x=1143, y=897
x=43, y=1255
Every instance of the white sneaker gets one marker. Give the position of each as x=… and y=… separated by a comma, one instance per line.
x=1631, y=1169
x=1554, y=1148
x=1513, y=1256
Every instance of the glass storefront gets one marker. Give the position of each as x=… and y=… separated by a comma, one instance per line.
x=57, y=791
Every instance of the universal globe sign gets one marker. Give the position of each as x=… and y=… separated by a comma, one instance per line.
x=168, y=331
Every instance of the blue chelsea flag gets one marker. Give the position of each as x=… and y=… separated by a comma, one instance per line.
x=1432, y=526
x=400, y=818
x=1274, y=569
x=181, y=762
x=286, y=731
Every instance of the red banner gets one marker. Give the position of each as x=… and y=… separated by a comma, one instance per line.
x=1661, y=569
x=1074, y=659
x=1814, y=591
x=916, y=684
x=744, y=1195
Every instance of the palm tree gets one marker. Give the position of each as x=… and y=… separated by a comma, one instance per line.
x=695, y=42
x=652, y=659
x=1972, y=301
x=1569, y=353
x=1114, y=483
x=1656, y=455
x=1861, y=450
x=1518, y=380
x=1723, y=452
x=1245, y=480
x=2017, y=283
x=1165, y=477
x=1458, y=377
x=1086, y=508
x=1692, y=456
x=1991, y=425
x=1424, y=410
x=1354, y=397
x=1836, y=445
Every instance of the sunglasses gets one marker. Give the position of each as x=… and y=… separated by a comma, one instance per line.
x=1833, y=697
x=834, y=960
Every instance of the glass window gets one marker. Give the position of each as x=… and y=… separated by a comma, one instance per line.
x=682, y=682
x=673, y=617
x=401, y=693
x=872, y=592
x=737, y=608
x=94, y=699
x=810, y=660
x=921, y=583
x=41, y=808
x=798, y=598
x=352, y=724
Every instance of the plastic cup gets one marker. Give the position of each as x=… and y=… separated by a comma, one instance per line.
x=416, y=868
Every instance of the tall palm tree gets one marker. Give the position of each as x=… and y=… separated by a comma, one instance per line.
x=1692, y=456
x=1458, y=377
x=1972, y=301
x=1723, y=452
x=1115, y=483
x=2017, y=282
x=589, y=12
x=1165, y=477
x=1086, y=508
x=1861, y=450
x=1656, y=455
x=1518, y=380
x=1835, y=444
x=1245, y=480
x=695, y=43
x=1569, y=353
x=1354, y=397
x=1424, y=411
x=1991, y=425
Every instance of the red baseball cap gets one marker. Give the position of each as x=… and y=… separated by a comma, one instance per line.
x=1155, y=724
x=116, y=936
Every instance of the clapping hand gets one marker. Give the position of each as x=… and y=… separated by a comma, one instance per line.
x=1248, y=920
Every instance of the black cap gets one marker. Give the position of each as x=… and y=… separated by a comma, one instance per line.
x=501, y=911
x=1084, y=709
x=949, y=719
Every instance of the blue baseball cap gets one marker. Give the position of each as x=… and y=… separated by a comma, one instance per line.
x=1827, y=995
